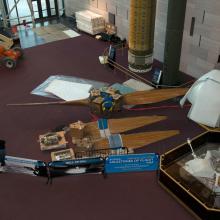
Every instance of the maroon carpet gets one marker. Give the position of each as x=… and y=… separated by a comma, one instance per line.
x=135, y=196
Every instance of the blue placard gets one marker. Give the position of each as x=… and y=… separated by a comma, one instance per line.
x=157, y=76
x=132, y=163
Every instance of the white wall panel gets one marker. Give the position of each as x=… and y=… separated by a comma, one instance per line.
x=93, y=3
x=200, y=52
x=111, y=6
x=102, y=5
x=160, y=29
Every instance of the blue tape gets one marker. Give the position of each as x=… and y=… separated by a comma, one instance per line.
x=102, y=123
x=115, y=141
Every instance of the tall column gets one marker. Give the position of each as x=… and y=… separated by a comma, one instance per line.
x=173, y=43
x=141, y=35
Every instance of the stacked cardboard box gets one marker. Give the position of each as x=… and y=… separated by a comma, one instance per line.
x=90, y=22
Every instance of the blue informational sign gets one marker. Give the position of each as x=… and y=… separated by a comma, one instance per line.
x=157, y=76
x=132, y=163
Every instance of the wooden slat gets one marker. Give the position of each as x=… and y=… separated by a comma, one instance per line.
x=135, y=98
x=75, y=102
x=152, y=96
x=122, y=124
x=126, y=124
x=139, y=140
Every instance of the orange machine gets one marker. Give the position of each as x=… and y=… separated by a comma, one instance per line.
x=9, y=57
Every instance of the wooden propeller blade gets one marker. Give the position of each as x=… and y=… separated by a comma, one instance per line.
x=125, y=124
x=152, y=96
x=75, y=102
x=138, y=140
x=135, y=98
x=122, y=124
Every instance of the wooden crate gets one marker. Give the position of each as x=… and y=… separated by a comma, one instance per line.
x=62, y=143
x=67, y=154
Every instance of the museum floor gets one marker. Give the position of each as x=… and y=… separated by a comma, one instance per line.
x=30, y=38
x=121, y=196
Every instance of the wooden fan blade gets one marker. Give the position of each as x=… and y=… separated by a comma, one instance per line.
x=152, y=96
x=138, y=140
x=125, y=124
x=75, y=102
x=122, y=124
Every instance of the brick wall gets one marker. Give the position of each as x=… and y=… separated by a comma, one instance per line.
x=200, y=50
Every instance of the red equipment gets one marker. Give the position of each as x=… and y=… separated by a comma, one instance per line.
x=8, y=58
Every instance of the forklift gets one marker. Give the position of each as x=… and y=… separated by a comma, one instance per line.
x=8, y=54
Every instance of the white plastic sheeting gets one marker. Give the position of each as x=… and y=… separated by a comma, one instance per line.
x=69, y=91
x=40, y=90
x=204, y=95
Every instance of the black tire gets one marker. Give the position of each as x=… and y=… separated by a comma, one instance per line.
x=18, y=49
x=9, y=63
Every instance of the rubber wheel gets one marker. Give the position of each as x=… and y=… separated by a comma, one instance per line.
x=18, y=49
x=9, y=63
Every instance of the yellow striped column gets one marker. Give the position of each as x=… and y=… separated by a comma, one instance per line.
x=141, y=35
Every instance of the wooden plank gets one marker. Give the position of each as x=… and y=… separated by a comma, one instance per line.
x=138, y=140
x=121, y=125
x=62, y=143
x=152, y=96
x=67, y=154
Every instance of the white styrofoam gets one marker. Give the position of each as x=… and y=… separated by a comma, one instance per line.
x=90, y=22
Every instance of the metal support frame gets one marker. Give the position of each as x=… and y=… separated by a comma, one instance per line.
x=32, y=12
x=6, y=14
x=3, y=12
x=16, y=2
